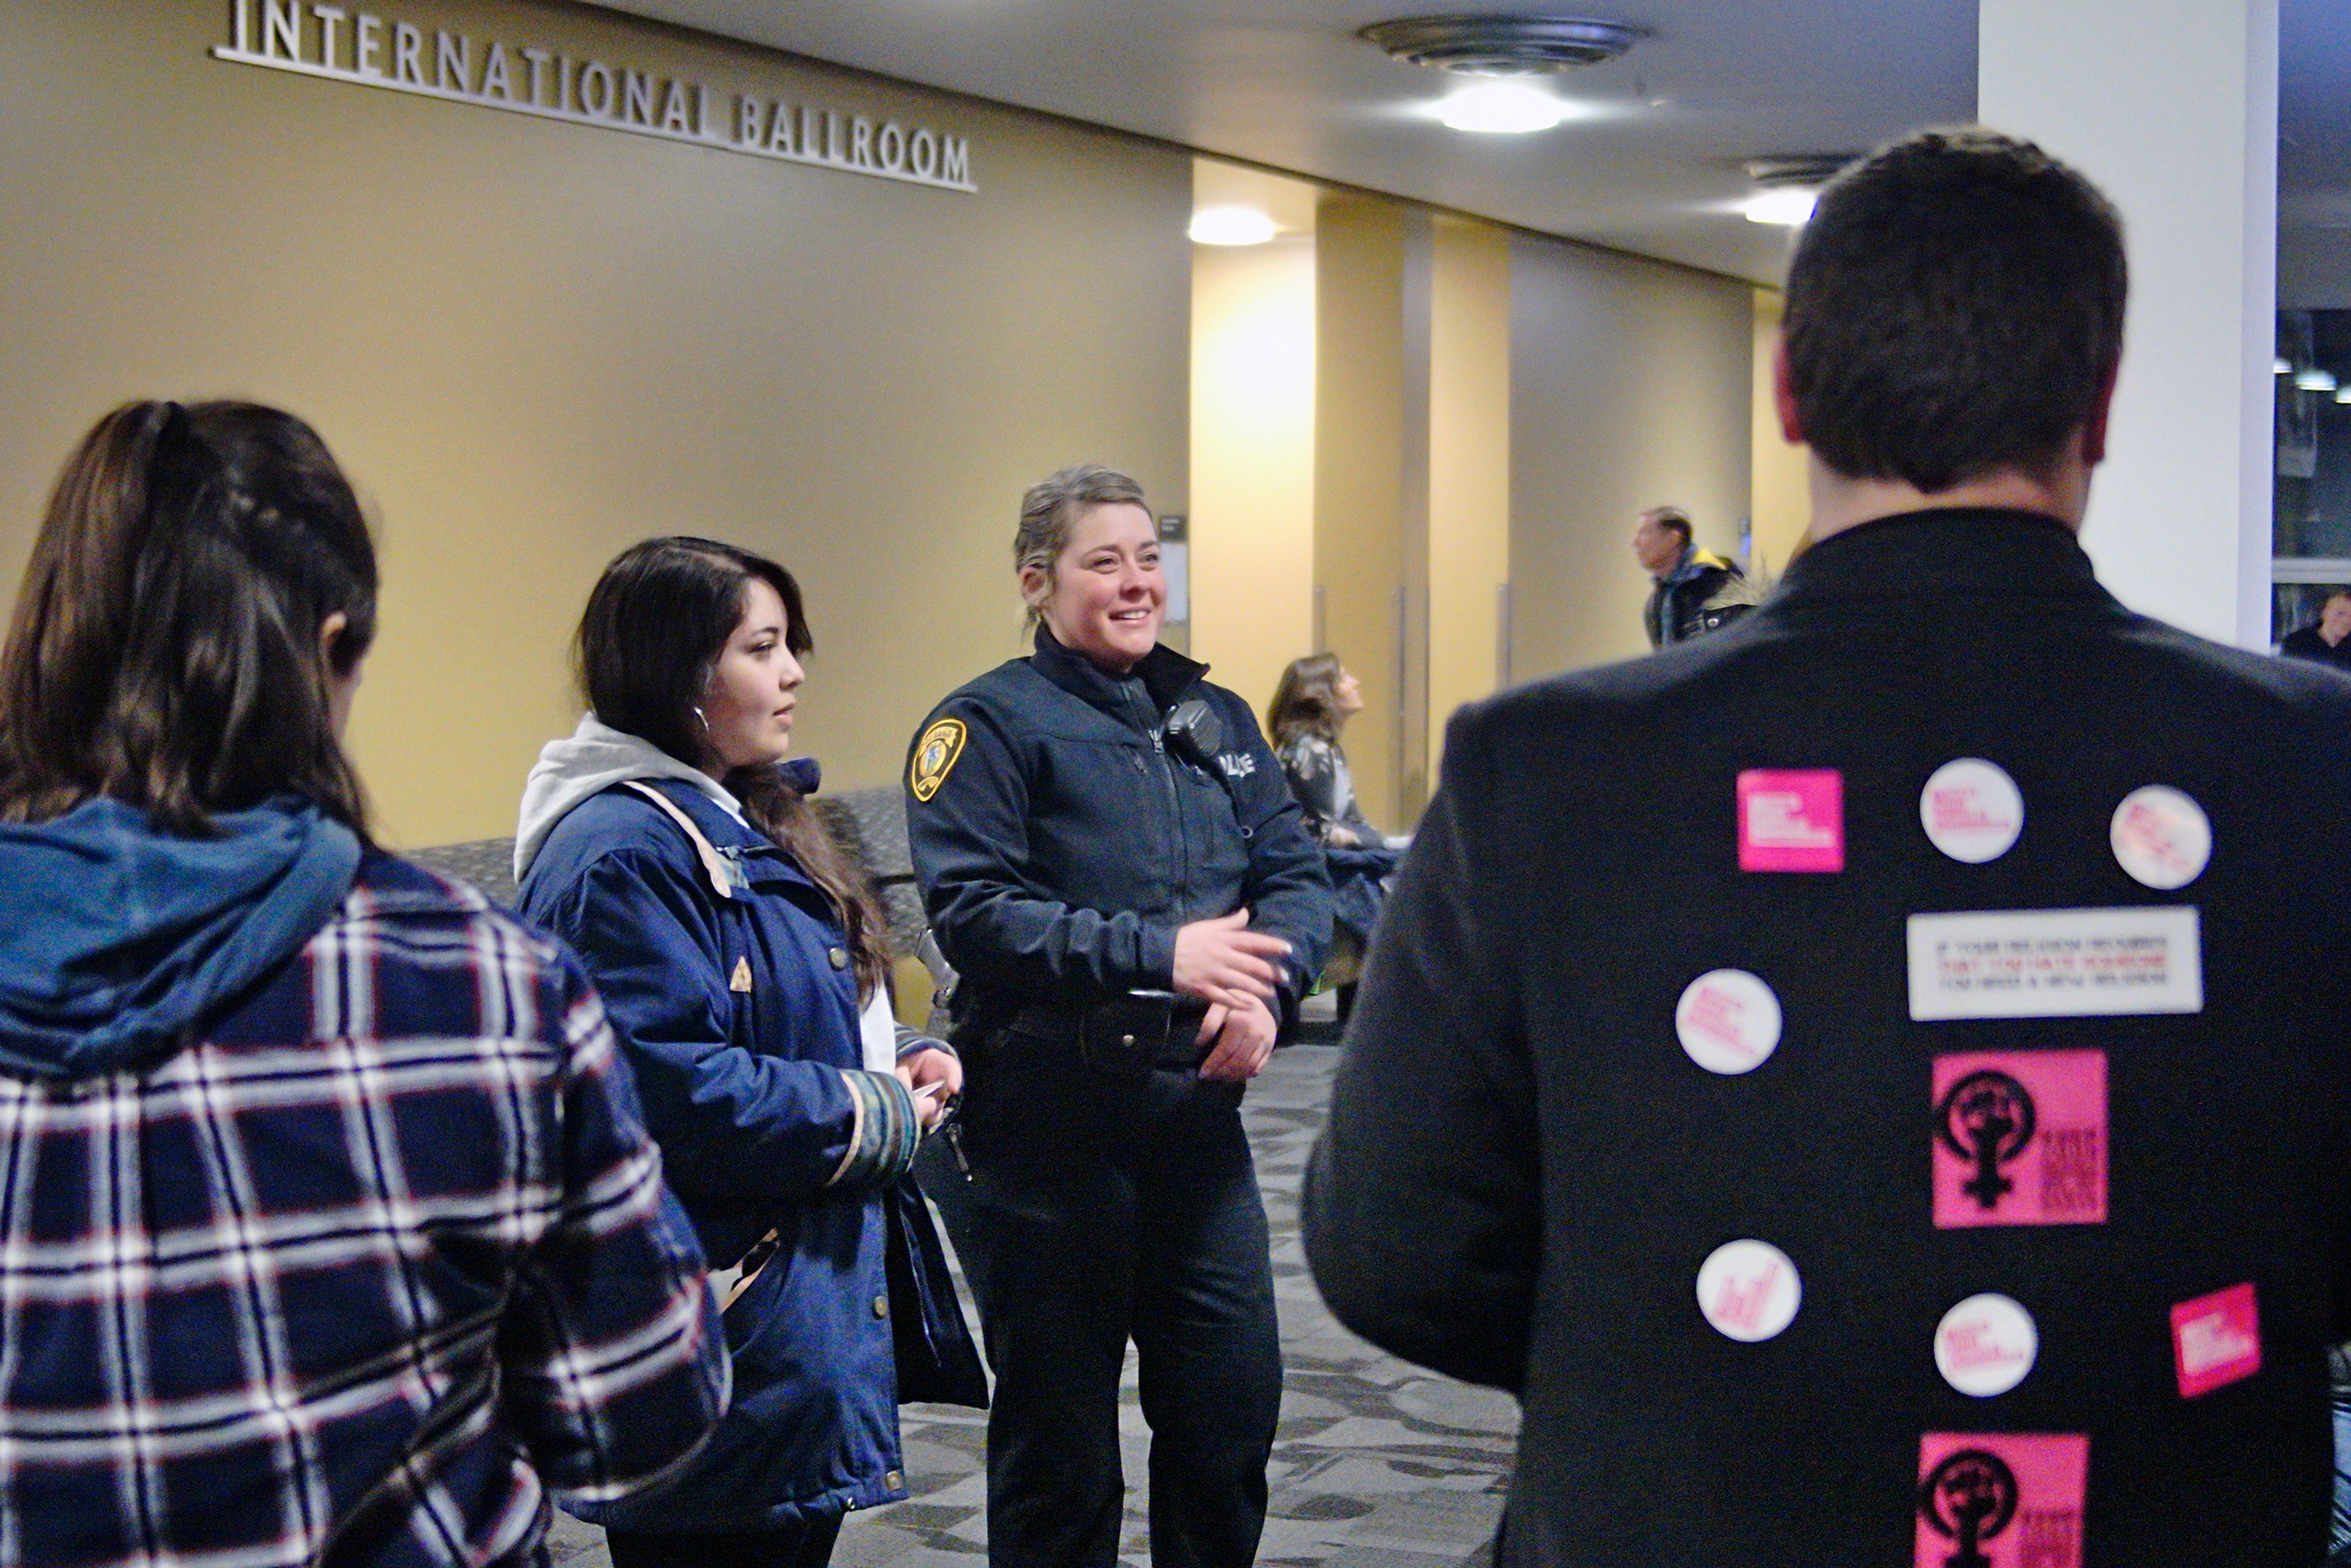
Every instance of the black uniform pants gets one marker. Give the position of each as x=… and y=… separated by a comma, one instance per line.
x=1100, y=1210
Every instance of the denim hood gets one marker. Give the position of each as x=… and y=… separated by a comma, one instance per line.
x=116, y=938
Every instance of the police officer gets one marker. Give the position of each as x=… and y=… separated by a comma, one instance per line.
x=1912, y=1127
x=1111, y=860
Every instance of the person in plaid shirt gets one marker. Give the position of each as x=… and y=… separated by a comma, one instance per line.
x=329, y=1229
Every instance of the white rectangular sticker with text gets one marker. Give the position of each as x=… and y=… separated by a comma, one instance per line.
x=2056, y=963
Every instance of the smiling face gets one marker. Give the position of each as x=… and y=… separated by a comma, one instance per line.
x=753, y=688
x=1105, y=594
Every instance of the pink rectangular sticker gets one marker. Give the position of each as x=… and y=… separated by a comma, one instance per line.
x=2000, y=1500
x=2020, y=1138
x=1791, y=819
x=2216, y=1340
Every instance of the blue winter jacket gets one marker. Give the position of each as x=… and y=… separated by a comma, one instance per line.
x=739, y=1015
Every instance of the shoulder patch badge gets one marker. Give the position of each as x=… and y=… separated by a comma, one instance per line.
x=935, y=757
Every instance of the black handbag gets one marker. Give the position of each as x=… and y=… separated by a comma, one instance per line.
x=938, y=1363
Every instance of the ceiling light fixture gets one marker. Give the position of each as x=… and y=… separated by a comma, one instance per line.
x=1789, y=205
x=2342, y=394
x=2315, y=379
x=1503, y=109
x=1230, y=225
x=1502, y=46
x=2282, y=366
x=1787, y=185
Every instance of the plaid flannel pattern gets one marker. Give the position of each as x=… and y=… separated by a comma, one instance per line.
x=354, y=1278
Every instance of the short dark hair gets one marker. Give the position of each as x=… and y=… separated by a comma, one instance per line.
x=1955, y=308
x=165, y=651
x=650, y=640
x=1672, y=517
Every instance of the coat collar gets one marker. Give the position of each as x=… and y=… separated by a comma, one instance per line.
x=1934, y=557
x=1166, y=674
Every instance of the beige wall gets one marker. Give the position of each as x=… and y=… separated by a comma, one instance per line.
x=1468, y=465
x=1781, y=497
x=533, y=342
x=1253, y=461
x=1630, y=383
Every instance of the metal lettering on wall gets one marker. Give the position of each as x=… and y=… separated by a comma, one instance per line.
x=344, y=44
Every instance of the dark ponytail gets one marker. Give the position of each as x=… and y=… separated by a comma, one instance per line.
x=655, y=626
x=165, y=651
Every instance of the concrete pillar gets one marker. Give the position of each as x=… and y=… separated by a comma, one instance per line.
x=2170, y=106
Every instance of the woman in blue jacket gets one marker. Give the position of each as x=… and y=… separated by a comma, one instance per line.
x=743, y=964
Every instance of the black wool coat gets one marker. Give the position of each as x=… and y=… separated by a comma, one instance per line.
x=2133, y=1123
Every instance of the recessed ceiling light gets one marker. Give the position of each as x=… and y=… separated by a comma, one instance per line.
x=2342, y=394
x=1789, y=205
x=2315, y=379
x=1230, y=225
x=2282, y=366
x=1503, y=108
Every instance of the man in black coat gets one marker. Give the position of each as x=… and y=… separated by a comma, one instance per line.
x=1875, y=1083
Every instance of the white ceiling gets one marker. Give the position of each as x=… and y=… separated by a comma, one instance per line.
x=1654, y=167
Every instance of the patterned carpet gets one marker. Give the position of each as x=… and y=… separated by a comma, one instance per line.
x=1376, y=1464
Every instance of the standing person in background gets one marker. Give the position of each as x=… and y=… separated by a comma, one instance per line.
x=328, y=1231
x=1914, y=1125
x=1309, y=710
x=1696, y=590
x=1111, y=862
x=737, y=949
x=2329, y=640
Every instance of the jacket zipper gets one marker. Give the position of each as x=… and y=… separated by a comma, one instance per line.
x=1176, y=816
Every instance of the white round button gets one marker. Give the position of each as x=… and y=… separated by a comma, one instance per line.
x=1729, y=1020
x=2161, y=837
x=1985, y=1345
x=1971, y=809
x=1749, y=1290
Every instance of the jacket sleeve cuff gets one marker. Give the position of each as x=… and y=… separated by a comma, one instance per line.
x=883, y=1133
x=1159, y=956
x=913, y=1042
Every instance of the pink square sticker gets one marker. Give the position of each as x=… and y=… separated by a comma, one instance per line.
x=1790, y=819
x=2000, y=1500
x=2216, y=1340
x=2020, y=1138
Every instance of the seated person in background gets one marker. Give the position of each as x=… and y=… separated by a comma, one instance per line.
x=332, y=1232
x=1696, y=590
x=2329, y=640
x=1311, y=707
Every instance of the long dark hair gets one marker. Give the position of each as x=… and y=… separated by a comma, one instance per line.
x=649, y=640
x=165, y=651
x=1307, y=700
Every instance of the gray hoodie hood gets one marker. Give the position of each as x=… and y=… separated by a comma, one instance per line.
x=593, y=758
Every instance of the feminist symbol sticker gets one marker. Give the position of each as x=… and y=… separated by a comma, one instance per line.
x=2000, y=1500
x=2020, y=1138
x=1986, y=1119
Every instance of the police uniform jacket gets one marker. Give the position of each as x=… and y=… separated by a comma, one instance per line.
x=1526, y=1170
x=1062, y=841
x=738, y=1015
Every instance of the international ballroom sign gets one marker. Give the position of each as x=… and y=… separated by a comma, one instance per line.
x=347, y=45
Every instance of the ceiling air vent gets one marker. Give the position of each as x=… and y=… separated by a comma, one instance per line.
x=1503, y=46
